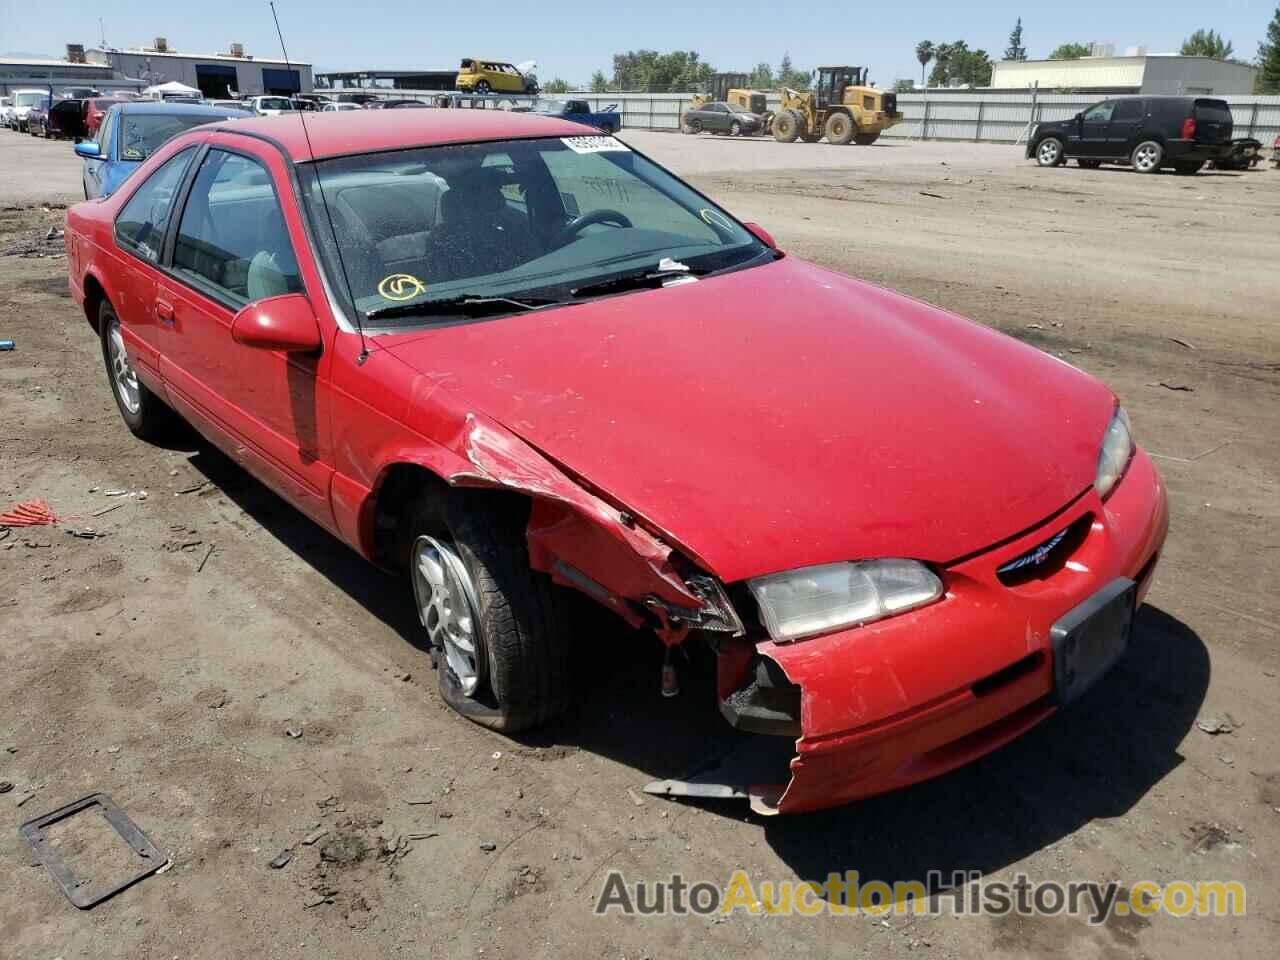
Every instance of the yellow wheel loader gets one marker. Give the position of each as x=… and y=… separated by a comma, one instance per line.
x=842, y=107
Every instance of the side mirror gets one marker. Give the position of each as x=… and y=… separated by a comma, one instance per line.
x=278, y=323
x=1079, y=117
x=89, y=149
x=761, y=234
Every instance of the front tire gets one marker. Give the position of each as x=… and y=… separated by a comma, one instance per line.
x=499, y=629
x=1147, y=157
x=143, y=412
x=482, y=87
x=786, y=126
x=735, y=129
x=1049, y=152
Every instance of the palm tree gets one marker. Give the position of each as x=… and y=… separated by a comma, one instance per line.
x=924, y=53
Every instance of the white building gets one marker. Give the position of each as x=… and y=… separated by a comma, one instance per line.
x=216, y=75
x=1156, y=74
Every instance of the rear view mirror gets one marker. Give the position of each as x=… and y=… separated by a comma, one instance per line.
x=278, y=323
x=89, y=149
x=761, y=234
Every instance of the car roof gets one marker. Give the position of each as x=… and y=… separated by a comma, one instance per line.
x=372, y=131
x=168, y=109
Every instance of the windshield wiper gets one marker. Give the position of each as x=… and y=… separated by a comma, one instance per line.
x=469, y=305
x=640, y=280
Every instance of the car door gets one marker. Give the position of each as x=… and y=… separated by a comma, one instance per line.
x=1125, y=131
x=95, y=169
x=140, y=229
x=235, y=244
x=1094, y=126
x=720, y=118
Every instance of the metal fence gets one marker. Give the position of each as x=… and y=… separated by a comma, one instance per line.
x=996, y=117
x=1008, y=117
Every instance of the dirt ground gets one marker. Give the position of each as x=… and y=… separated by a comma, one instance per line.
x=240, y=702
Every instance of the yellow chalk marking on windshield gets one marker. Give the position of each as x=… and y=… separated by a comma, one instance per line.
x=400, y=286
x=716, y=219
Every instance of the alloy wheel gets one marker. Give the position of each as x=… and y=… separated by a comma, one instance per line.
x=447, y=607
x=122, y=374
x=1146, y=157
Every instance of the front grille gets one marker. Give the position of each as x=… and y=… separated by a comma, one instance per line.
x=1047, y=557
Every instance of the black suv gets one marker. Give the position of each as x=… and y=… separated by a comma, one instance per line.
x=1146, y=132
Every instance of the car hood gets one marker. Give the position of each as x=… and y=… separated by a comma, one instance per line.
x=786, y=415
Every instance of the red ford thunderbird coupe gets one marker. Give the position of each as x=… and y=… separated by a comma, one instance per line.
x=511, y=358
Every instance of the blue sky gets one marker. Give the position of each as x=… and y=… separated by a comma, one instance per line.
x=571, y=38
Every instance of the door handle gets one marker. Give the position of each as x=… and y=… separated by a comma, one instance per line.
x=164, y=312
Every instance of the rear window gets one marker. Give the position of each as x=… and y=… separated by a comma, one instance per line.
x=1213, y=111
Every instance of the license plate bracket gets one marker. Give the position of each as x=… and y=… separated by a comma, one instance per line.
x=1089, y=640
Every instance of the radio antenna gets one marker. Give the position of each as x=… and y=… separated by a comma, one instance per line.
x=324, y=202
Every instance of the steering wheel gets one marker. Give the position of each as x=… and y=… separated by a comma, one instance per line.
x=603, y=215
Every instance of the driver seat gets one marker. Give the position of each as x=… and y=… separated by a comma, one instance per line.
x=478, y=232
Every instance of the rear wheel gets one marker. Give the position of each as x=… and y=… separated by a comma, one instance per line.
x=786, y=126
x=498, y=629
x=1147, y=157
x=1089, y=164
x=839, y=129
x=1189, y=167
x=144, y=413
x=606, y=129
x=1049, y=152
x=865, y=139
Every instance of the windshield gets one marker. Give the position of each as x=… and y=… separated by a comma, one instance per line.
x=520, y=218
x=29, y=99
x=143, y=134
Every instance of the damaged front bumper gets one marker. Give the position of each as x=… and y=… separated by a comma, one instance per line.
x=895, y=702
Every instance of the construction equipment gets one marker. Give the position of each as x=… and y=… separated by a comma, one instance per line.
x=842, y=107
x=731, y=88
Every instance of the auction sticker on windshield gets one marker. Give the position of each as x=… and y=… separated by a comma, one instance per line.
x=595, y=144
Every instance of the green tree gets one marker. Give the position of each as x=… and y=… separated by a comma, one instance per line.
x=761, y=77
x=924, y=53
x=1207, y=43
x=956, y=64
x=1269, y=58
x=599, y=82
x=1070, y=51
x=789, y=76
x=1015, y=50
x=653, y=72
x=557, y=86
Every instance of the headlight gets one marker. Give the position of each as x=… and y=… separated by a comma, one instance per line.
x=813, y=600
x=1117, y=448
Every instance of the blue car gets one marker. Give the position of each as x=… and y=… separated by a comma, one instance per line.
x=130, y=132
